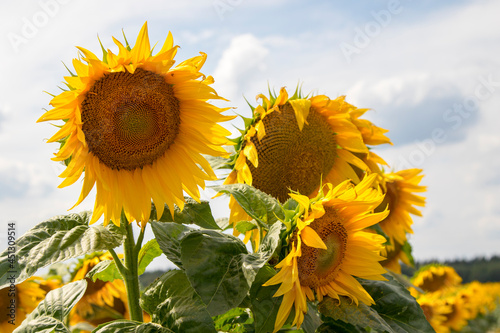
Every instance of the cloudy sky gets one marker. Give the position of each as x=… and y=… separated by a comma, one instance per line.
x=429, y=72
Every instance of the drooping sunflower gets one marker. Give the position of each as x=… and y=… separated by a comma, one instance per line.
x=137, y=128
x=394, y=253
x=297, y=143
x=17, y=302
x=102, y=301
x=400, y=188
x=436, y=277
x=457, y=318
x=328, y=247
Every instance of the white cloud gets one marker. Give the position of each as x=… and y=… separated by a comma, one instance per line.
x=242, y=62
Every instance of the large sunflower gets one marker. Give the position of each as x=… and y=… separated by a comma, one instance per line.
x=138, y=128
x=328, y=247
x=399, y=188
x=295, y=143
x=17, y=302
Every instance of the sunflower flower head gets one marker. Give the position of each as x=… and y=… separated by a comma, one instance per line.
x=435, y=310
x=103, y=300
x=400, y=188
x=297, y=143
x=436, y=277
x=137, y=127
x=25, y=298
x=328, y=247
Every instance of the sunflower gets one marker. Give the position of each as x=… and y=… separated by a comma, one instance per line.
x=394, y=254
x=296, y=143
x=457, y=318
x=436, y=277
x=399, y=188
x=328, y=247
x=435, y=311
x=18, y=301
x=102, y=301
x=137, y=128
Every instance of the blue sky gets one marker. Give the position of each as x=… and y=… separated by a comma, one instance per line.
x=429, y=72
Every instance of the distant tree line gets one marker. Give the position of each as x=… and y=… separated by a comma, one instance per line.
x=477, y=269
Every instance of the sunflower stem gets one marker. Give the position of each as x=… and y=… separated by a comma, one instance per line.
x=118, y=262
x=131, y=277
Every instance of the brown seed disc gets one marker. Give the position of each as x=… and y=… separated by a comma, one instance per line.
x=130, y=120
x=318, y=267
x=290, y=158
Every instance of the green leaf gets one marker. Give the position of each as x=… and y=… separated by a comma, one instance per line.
x=105, y=271
x=148, y=252
x=259, y=205
x=235, y=320
x=172, y=302
x=361, y=316
x=213, y=263
x=52, y=241
x=198, y=213
x=264, y=306
x=218, y=265
x=396, y=306
x=244, y=226
x=338, y=326
x=395, y=310
x=168, y=236
x=312, y=319
x=50, y=313
x=217, y=162
x=43, y=325
x=129, y=326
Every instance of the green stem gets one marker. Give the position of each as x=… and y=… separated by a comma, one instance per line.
x=131, y=277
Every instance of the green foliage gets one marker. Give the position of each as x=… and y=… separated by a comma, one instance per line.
x=395, y=310
x=50, y=314
x=237, y=320
x=172, y=302
x=260, y=206
x=194, y=212
x=130, y=326
x=217, y=265
x=55, y=240
x=105, y=271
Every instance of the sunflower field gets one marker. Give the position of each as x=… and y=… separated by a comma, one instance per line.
x=317, y=230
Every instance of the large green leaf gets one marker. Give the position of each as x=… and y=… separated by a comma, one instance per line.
x=213, y=263
x=218, y=265
x=361, y=316
x=194, y=212
x=129, y=326
x=148, y=252
x=263, y=305
x=259, y=205
x=173, y=303
x=394, y=303
x=169, y=236
x=338, y=326
x=55, y=240
x=395, y=310
x=312, y=319
x=50, y=314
